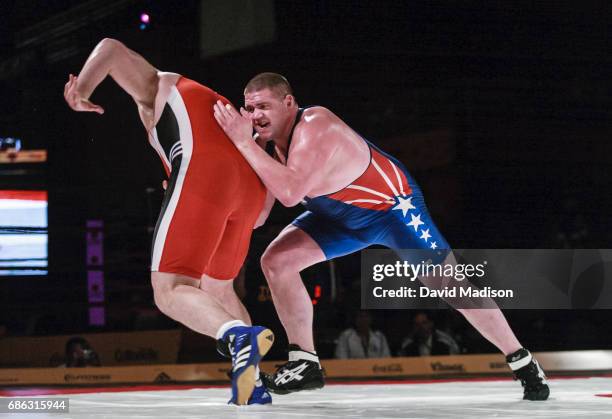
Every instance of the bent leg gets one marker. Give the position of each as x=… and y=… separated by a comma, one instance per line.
x=309, y=240
x=180, y=298
x=223, y=292
x=290, y=253
x=231, y=253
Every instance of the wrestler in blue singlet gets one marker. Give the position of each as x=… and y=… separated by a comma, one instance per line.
x=383, y=206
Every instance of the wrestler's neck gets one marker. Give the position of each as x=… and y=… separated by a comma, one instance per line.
x=284, y=140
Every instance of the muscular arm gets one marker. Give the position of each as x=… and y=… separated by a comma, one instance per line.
x=309, y=152
x=130, y=70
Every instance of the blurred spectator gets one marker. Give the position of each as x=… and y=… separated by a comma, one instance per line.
x=79, y=353
x=425, y=339
x=361, y=341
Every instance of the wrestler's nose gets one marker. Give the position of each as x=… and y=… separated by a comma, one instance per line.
x=256, y=115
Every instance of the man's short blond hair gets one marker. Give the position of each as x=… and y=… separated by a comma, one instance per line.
x=273, y=81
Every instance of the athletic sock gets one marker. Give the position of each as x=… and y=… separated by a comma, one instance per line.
x=257, y=379
x=519, y=359
x=298, y=354
x=227, y=326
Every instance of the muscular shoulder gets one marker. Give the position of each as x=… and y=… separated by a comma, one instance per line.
x=316, y=122
x=316, y=116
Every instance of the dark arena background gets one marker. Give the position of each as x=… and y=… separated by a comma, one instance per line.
x=501, y=110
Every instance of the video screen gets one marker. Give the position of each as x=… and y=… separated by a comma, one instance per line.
x=23, y=232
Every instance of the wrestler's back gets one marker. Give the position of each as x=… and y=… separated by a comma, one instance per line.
x=208, y=135
x=184, y=113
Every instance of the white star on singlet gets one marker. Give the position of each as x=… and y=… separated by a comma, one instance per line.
x=415, y=222
x=425, y=234
x=404, y=204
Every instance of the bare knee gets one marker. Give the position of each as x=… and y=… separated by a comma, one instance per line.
x=275, y=264
x=164, y=287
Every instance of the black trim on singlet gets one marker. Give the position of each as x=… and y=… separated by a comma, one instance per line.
x=298, y=116
x=167, y=129
x=176, y=164
x=270, y=150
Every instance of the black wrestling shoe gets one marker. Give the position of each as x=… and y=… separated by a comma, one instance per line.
x=301, y=372
x=526, y=368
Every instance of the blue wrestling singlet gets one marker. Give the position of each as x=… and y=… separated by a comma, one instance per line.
x=383, y=206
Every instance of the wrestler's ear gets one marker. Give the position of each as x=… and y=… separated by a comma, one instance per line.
x=289, y=101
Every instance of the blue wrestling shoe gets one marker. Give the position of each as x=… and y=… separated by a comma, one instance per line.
x=260, y=394
x=247, y=345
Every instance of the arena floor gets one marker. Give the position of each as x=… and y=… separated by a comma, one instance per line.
x=499, y=398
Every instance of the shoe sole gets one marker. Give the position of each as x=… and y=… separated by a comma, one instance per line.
x=540, y=395
x=272, y=388
x=246, y=382
x=287, y=391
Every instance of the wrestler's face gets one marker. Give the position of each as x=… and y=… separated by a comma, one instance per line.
x=270, y=112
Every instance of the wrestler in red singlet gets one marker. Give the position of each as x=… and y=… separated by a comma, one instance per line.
x=213, y=198
x=213, y=202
